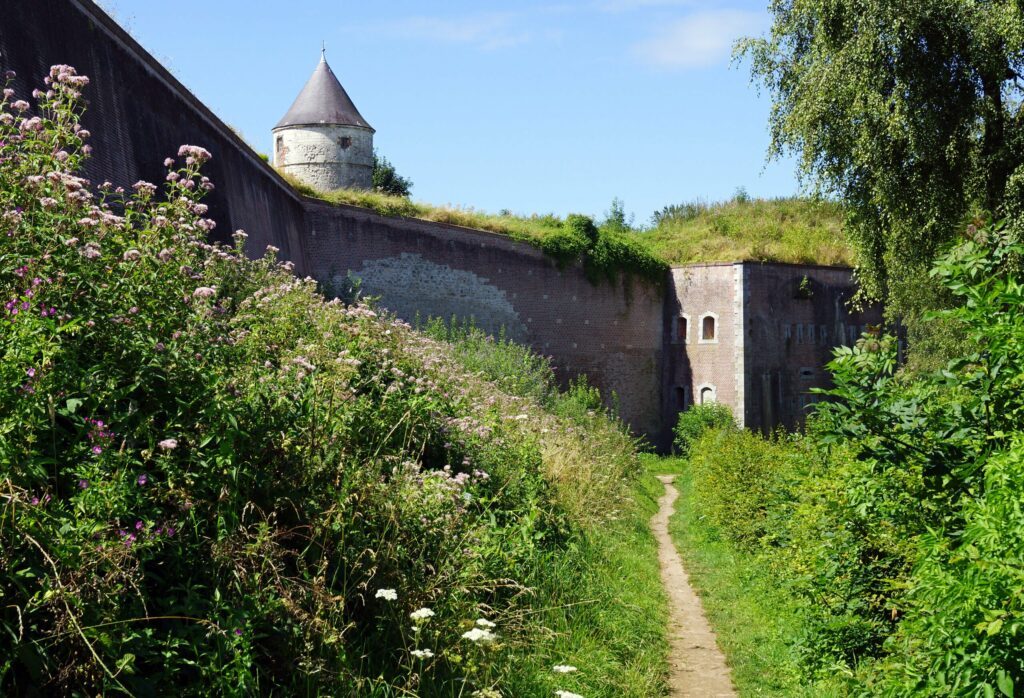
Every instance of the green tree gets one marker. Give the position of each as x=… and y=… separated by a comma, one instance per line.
x=910, y=112
x=387, y=180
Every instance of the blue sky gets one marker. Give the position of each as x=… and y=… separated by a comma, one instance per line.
x=531, y=106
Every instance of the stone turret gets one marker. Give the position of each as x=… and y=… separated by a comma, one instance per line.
x=323, y=139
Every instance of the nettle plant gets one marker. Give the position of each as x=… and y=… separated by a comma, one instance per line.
x=208, y=473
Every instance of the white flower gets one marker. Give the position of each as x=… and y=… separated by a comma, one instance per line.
x=168, y=444
x=484, y=623
x=421, y=614
x=386, y=594
x=567, y=694
x=422, y=654
x=564, y=669
x=480, y=636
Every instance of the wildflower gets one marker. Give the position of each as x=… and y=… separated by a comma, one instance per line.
x=486, y=693
x=204, y=292
x=83, y=484
x=194, y=154
x=144, y=188
x=238, y=632
x=131, y=255
x=20, y=105
x=142, y=479
x=421, y=614
x=479, y=636
x=97, y=450
x=484, y=623
x=71, y=242
x=91, y=250
x=48, y=202
x=386, y=594
x=165, y=254
x=567, y=694
x=422, y=654
x=168, y=444
x=168, y=162
x=239, y=235
x=564, y=669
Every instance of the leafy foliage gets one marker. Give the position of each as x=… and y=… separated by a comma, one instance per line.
x=909, y=112
x=386, y=180
x=696, y=420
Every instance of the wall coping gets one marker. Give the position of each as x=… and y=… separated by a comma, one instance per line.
x=150, y=63
x=753, y=263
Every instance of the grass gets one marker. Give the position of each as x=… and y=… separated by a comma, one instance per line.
x=795, y=230
x=756, y=623
x=616, y=636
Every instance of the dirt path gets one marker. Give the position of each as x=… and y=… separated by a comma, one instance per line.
x=697, y=665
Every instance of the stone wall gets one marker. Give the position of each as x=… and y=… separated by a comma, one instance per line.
x=326, y=157
x=418, y=268
x=139, y=114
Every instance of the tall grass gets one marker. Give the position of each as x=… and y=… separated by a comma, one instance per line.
x=795, y=230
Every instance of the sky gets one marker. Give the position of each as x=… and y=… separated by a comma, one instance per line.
x=532, y=106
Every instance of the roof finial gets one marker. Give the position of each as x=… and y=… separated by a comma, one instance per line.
x=323, y=51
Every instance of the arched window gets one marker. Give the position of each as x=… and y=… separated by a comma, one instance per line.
x=707, y=394
x=683, y=328
x=708, y=328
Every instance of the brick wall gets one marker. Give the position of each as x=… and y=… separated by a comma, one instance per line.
x=792, y=326
x=611, y=333
x=701, y=367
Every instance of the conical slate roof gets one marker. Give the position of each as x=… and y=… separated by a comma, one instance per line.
x=323, y=101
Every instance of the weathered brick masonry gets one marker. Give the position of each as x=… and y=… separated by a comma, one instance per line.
x=750, y=335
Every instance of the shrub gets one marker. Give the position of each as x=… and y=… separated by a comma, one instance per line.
x=693, y=422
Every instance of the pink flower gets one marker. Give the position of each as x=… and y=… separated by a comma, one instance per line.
x=131, y=255
x=169, y=162
x=168, y=444
x=198, y=154
x=204, y=292
x=20, y=105
x=142, y=479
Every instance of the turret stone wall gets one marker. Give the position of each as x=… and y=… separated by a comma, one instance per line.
x=326, y=157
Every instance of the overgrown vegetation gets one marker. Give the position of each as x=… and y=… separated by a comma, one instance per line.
x=215, y=482
x=795, y=230
x=894, y=524
x=605, y=254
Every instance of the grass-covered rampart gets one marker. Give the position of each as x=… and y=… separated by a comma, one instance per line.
x=213, y=481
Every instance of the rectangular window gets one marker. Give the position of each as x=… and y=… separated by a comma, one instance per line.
x=799, y=334
x=823, y=334
x=787, y=331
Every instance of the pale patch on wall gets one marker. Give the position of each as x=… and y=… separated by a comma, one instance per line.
x=409, y=285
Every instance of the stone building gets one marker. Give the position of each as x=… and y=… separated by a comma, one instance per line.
x=323, y=139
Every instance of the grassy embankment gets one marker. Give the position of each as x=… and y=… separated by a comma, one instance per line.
x=795, y=230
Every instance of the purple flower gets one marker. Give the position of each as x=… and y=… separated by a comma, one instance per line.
x=83, y=484
x=142, y=479
x=238, y=632
x=30, y=372
x=198, y=154
x=97, y=450
x=138, y=525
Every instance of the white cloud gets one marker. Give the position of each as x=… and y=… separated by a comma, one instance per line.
x=486, y=31
x=699, y=40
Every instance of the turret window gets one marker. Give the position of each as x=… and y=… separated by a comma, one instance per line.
x=345, y=142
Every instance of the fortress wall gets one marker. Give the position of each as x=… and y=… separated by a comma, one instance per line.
x=694, y=364
x=613, y=334
x=139, y=114
x=791, y=334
